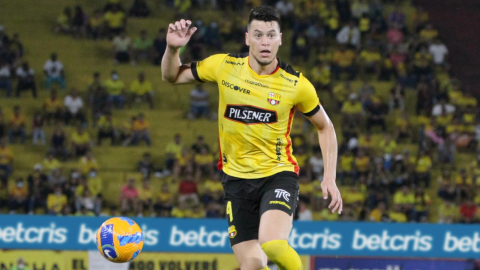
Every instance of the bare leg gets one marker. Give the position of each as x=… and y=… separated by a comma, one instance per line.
x=250, y=255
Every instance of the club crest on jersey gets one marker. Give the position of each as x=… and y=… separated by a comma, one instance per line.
x=232, y=232
x=273, y=98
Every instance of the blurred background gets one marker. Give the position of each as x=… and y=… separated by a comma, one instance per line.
x=88, y=128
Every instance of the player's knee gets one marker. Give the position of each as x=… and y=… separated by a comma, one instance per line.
x=253, y=263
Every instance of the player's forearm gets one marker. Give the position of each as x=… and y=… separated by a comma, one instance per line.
x=171, y=65
x=328, y=144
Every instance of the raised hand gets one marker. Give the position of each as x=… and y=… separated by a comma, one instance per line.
x=179, y=33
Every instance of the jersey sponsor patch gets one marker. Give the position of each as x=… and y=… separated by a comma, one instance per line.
x=282, y=193
x=250, y=115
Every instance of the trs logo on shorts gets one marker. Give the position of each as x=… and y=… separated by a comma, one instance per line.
x=282, y=193
x=273, y=98
x=232, y=232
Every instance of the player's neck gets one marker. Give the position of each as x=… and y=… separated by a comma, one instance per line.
x=262, y=69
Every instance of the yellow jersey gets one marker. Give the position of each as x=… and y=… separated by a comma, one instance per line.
x=256, y=113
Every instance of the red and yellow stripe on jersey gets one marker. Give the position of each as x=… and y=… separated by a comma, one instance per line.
x=255, y=113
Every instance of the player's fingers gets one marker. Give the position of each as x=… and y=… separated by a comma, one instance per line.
x=182, y=23
x=334, y=200
x=178, y=25
x=337, y=205
x=191, y=31
x=188, y=23
x=341, y=206
x=325, y=193
x=171, y=27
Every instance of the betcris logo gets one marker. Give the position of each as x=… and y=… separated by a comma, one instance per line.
x=33, y=234
x=359, y=239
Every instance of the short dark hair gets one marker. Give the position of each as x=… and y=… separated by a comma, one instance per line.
x=264, y=13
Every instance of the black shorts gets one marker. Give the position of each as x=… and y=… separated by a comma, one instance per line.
x=248, y=199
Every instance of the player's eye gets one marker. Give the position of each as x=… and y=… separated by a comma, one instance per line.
x=271, y=35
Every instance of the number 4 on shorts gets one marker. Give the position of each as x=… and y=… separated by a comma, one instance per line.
x=229, y=210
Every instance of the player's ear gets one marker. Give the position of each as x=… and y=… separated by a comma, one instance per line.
x=246, y=39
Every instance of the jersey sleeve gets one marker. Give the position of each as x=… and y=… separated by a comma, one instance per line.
x=307, y=100
x=207, y=69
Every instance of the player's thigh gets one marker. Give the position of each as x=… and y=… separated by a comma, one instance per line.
x=274, y=225
x=250, y=255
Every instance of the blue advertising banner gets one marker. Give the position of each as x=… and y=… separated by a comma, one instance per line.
x=346, y=263
x=211, y=235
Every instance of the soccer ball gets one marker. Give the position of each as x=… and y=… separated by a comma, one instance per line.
x=119, y=239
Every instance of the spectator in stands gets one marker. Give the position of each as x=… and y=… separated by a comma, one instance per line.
x=164, y=200
x=139, y=9
x=56, y=201
x=159, y=46
x=397, y=97
x=38, y=124
x=106, y=129
x=56, y=177
x=379, y=213
x=204, y=164
x=98, y=97
x=370, y=61
x=428, y=33
x=422, y=201
x=343, y=60
x=212, y=36
x=376, y=114
x=81, y=142
x=447, y=213
x=468, y=212
x=213, y=190
x=406, y=201
x=3, y=126
x=16, y=127
x=346, y=166
x=199, y=144
x=6, y=159
x=349, y=35
x=88, y=163
x=140, y=130
x=18, y=197
x=141, y=89
x=286, y=9
x=352, y=111
x=74, y=108
x=115, y=21
x=422, y=63
x=79, y=22
x=5, y=78
x=145, y=165
x=26, y=80
x=54, y=73
x=173, y=151
x=52, y=108
x=387, y=145
x=145, y=198
x=126, y=131
x=321, y=76
x=188, y=190
x=402, y=127
x=95, y=182
x=423, y=169
x=439, y=52
x=397, y=16
x=95, y=26
x=198, y=103
x=142, y=47
x=37, y=192
x=64, y=21
x=396, y=214
x=58, y=142
x=122, y=49
x=116, y=90
x=50, y=163
x=129, y=197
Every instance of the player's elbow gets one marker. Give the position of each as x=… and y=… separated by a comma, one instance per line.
x=168, y=79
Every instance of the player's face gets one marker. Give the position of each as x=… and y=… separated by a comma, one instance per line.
x=264, y=38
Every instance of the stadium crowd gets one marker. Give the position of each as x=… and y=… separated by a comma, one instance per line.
x=395, y=158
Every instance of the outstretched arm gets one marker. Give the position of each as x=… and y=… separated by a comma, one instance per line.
x=178, y=36
x=328, y=143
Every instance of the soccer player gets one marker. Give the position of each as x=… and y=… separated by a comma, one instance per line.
x=258, y=97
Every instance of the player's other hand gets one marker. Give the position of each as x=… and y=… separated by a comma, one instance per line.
x=329, y=187
x=179, y=33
